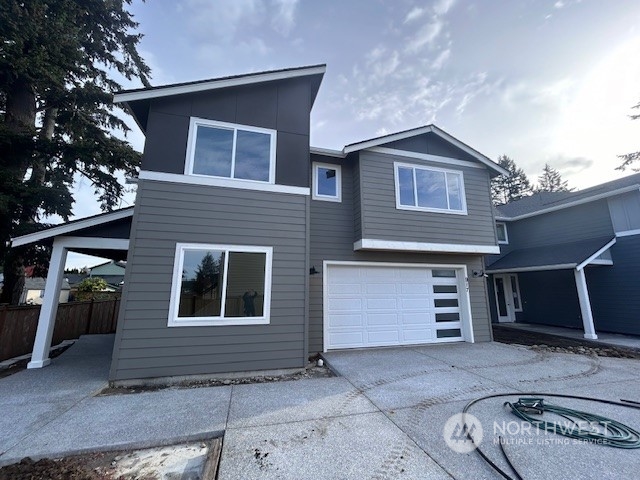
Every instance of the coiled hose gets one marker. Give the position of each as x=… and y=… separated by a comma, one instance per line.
x=615, y=434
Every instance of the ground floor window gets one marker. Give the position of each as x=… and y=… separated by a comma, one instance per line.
x=220, y=285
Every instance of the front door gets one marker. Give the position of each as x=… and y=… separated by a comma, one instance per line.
x=507, y=297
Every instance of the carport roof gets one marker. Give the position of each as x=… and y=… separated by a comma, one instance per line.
x=554, y=257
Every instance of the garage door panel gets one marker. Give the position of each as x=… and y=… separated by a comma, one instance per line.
x=390, y=305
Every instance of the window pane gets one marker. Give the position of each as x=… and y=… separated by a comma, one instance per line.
x=245, y=285
x=431, y=188
x=454, y=183
x=445, y=289
x=445, y=302
x=201, y=286
x=514, y=291
x=253, y=156
x=447, y=317
x=502, y=232
x=443, y=273
x=327, y=181
x=213, y=151
x=449, y=333
x=405, y=182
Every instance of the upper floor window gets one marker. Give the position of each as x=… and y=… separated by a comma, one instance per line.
x=501, y=230
x=227, y=150
x=327, y=182
x=429, y=189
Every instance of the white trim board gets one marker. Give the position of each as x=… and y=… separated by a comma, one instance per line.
x=596, y=255
x=214, y=84
x=71, y=227
x=375, y=244
x=536, y=268
x=628, y=233
x=222, y=182
x=575, y=203
x=374, y=142
x=327, y=152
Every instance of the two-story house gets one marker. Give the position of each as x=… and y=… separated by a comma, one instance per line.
x=250, y=250
x=570, y=259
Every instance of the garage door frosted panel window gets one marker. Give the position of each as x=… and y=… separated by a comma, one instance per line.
x=221, y=286
x=428, y=189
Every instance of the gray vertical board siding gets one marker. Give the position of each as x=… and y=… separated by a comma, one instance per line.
x=432, y=144
x=382, y=220
x=550, y=298
x=166, y=214
x=590, y=220
x=332, y=236
x=280, y=105
x=615, y=290
x=625, y=211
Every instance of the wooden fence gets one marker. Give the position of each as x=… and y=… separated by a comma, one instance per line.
x=18, y=324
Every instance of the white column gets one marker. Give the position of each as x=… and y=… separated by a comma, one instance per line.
x=585, y=305
x=46, y=322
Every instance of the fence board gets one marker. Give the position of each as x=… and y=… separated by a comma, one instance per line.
x=18, y=324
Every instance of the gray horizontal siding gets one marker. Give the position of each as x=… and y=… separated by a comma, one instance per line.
x=382, y=220
x=167, y=214
x=332, y=237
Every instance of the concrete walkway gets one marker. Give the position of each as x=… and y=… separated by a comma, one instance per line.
x=383, y=418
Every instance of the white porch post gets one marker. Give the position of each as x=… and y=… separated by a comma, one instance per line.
x=46, y=322
x=585, y=304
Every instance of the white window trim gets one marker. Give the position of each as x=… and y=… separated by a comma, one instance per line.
x=506, y=234
x=195, y=122
x=399, y=206
x=327, y=198
x=176, y=282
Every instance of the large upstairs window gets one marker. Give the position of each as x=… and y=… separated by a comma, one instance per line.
x=429, y=189
x=228, y=150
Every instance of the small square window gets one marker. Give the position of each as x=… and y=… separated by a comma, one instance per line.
x=327, y=182
x=501, y=231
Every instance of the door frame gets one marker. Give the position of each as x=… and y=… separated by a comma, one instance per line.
x=466, y=320
x=509, y=281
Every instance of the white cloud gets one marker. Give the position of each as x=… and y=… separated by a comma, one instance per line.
x=222, y=19
x=414, y=14
x=441, y=59
x=425, y=36
x=284, y=19
x=559, y=4
x=254, y=45
x=442, y=7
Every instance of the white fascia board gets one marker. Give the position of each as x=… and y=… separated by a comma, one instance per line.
x=222, y=182
x=391, y=245
x=66, y=228
x=328, y=152
x=596, y=254
x=582, y=201
x=537, y=268
x=424, y=156
x=374, y=142
x=628, y=233
x=217, y=84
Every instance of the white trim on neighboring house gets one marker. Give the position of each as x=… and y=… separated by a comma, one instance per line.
x=71, y=227
x=593, y=257
x=416, y=207
x=222, y=182
x=218, y=83
x=176, y=280
x=374, y=142
x=327, y=198
x=424, y=156
x=328, y=152
x=628, y=233
x=466, y=323
x=582, y=201
x=196, y=122
x=375, y=244
x=537, y=268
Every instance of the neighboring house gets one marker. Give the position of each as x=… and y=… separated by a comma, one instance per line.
x=111, y=272
x=33, y=291
x=250, y=250
x=570, y=259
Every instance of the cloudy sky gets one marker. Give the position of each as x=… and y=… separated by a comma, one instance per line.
x=540, y=81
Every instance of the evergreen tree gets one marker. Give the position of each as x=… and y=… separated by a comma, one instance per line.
x=629, y=158
x=56, y=112
x=515, y=186
x=551, y=181
x=207, y=275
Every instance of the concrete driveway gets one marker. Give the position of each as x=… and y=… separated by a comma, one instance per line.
x=382, y=418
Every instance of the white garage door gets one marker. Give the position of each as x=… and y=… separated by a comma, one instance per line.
x=372, y=305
